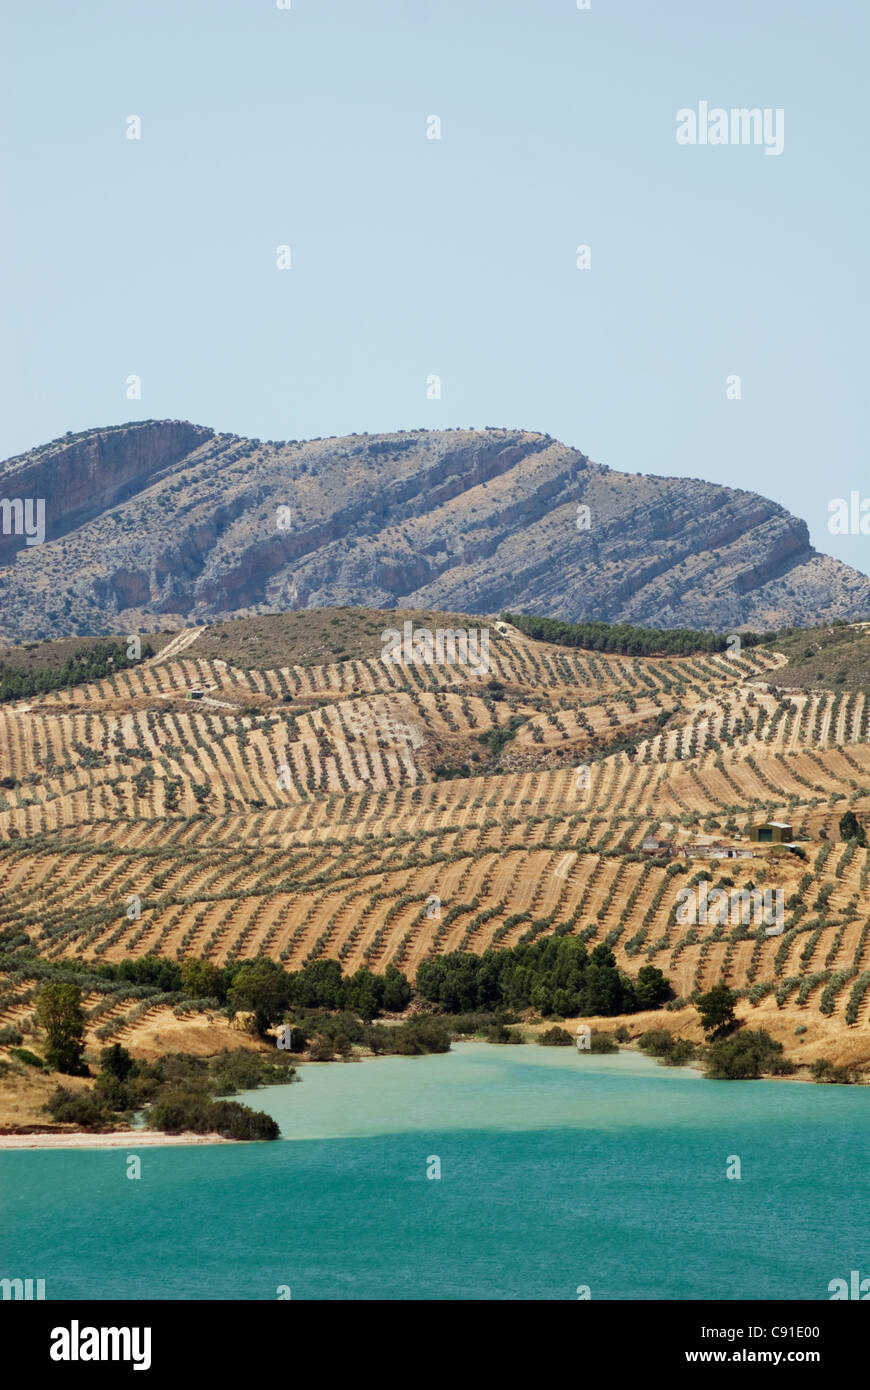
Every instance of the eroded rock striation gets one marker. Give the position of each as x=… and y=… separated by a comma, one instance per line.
x=165, y=519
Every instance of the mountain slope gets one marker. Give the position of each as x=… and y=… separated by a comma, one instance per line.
x=169, y=518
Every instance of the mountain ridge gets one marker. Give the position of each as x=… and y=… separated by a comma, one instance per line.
x=168, y=518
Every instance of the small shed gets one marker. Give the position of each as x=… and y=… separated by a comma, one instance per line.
x=658, y=847
x=771, y=832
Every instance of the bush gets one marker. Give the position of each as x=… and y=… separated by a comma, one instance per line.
x=322, y=1050
x=10, y=1034
x=114, y=1093
x=466, y=1025
x=657, y=1041
x=824, y=1071
x=234, y=1121
x=603, y=1042
x=746, y=1056
x=92, y=663
x=498, y=1033
x=177, y=1111
x=242, y=1070
x=420, y=1035
x=85, y=1108
x=671, y=1051
x=682, y=1052
x=22, y=1054
x=556, y=1037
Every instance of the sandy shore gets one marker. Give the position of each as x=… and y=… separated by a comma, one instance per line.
x=131, y=1139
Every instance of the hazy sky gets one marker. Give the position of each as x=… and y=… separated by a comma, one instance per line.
x=412, y=257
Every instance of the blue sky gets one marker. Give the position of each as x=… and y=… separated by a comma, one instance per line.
x=457, y=257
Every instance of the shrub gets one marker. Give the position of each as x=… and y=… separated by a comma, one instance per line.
x=657, y=1041
x=118, y=1095
x=498, y=1033
x=321, y=1050
x=747, y=1055
x=23, y=1054
x=242, y=1070
x=85, y=1108
x=466, y=1025
x=10, y=1034
x=671, y=1051
x=556, y=1037
x=419, y=1036
x=235, y=1121
x=824, y=1071
x=176, y=1111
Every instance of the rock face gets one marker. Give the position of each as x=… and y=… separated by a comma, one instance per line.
x=164, y=519
x=82, y=476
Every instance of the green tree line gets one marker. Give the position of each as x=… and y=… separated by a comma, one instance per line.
x=626, y=640
x=265, y=988
x=553, y=976
x=18, y=682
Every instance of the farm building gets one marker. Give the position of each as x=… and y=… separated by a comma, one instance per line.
x=654, y=845
x=708, y=847
x=771, y=832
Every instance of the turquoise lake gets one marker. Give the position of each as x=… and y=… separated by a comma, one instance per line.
x=557, y=1170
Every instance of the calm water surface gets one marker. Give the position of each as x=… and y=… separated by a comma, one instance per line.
x=557, y=1170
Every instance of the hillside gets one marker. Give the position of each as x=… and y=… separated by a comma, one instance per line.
x=166, y=523
x=380, y=813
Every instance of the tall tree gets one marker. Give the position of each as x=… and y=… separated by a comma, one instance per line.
x=651, y=987
x=852, y=829
x=59, y=1012
x=716, y=1009
x=117, y=1061
x=397, y=991
x=262, y=987
x=202, y=979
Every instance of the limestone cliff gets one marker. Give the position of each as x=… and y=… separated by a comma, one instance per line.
x=164, y=519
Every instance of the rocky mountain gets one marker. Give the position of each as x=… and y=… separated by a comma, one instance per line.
x=162, y=518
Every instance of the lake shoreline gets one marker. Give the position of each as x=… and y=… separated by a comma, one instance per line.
x=111, y=1139
x=133, y=1138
